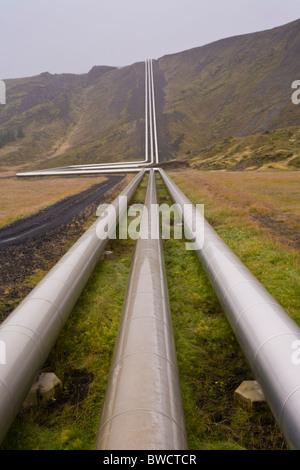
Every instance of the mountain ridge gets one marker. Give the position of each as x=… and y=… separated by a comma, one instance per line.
x=230, y=88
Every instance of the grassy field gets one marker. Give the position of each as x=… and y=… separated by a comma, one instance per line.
x=22, y=197
x=210, y=360
x=269, y=201
x=211, y=364
x=271, y=150
x=81, y=358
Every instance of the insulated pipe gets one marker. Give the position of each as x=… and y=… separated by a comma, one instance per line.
x=154, y=113
x=31, y=330
x=99, y=171
x=146, y=112
x=142, y=407
x=150, y=115
x=268, y=336
x=118, y=167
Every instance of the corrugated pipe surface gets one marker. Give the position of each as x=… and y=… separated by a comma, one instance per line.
x=31, y=330
x=142, y=406
x=269, y=338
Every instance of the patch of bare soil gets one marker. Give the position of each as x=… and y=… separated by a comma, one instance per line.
x=75, y=388
x=39, y=241
x=279, y=229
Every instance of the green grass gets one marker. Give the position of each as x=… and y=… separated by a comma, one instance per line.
x=81, y=358
x=211, y=364
x=85, y=344
x=210, y=361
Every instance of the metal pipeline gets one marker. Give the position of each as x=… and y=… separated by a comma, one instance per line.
x=32, y=329
x=268, y=336
x=142, y=406
x=77, y=172
x=117, y=167
x=154, y=112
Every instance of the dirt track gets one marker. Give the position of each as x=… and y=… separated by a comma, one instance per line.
x=60, y=213
x=39, y=241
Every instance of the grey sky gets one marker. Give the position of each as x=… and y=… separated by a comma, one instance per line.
x=73, y=35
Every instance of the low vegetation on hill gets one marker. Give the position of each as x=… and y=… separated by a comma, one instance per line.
x=229, y=136
x=277, y=149
x=238, y=87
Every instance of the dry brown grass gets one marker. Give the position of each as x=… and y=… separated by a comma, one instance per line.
x=268, y=199
x=20, y=198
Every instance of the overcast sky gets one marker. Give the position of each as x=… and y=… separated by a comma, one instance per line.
x=74, y=35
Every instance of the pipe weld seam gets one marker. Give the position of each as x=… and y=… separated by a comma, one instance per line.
x=220, y=243
x=69, y=253
x=34, y=337
x=51, y=277
x=285, y=402
x=273, y=337
x=248, y=281
x=256, y=304
x=170, y=418
x=145, y=353
x=125, y=322
x=51, y=303
x=216, y=274
x=62, y=263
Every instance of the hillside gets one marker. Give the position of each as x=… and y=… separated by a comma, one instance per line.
x=230, y=89
x=277, y=149
x=84, y=118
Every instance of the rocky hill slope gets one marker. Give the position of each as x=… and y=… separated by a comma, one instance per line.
x=205, y=97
